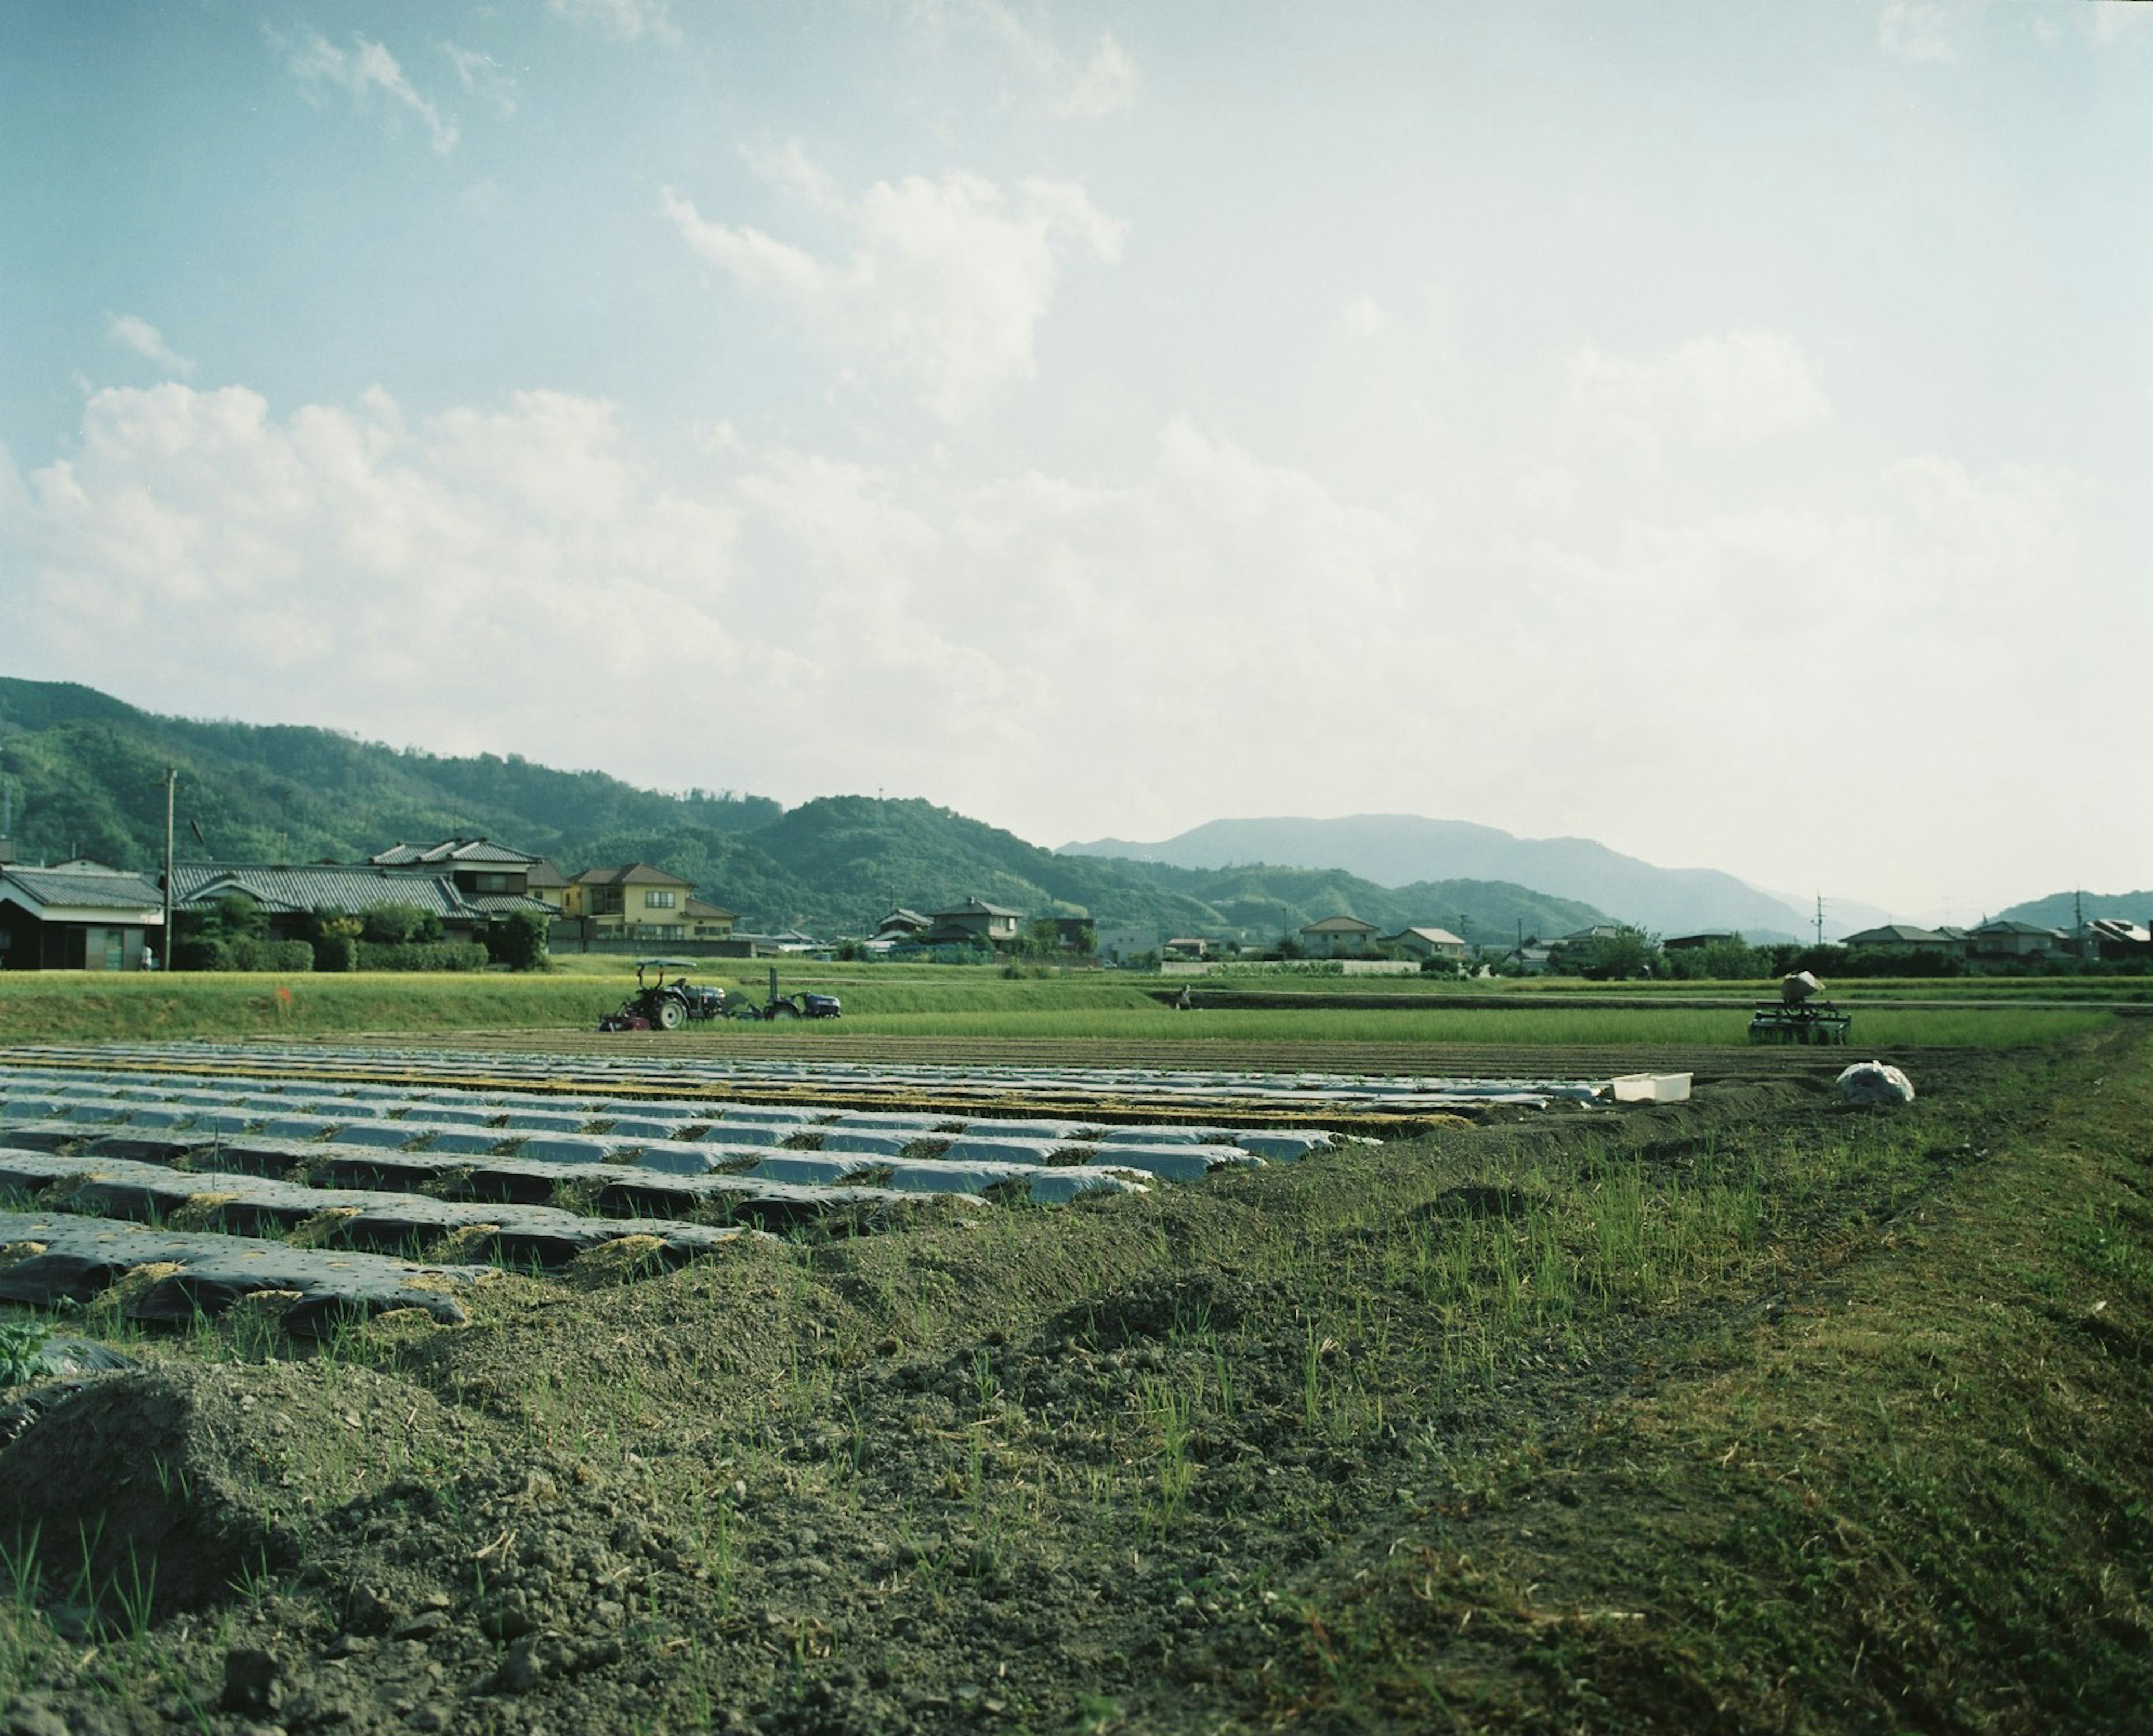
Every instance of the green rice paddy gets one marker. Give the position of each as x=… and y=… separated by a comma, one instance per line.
x=957, y=1002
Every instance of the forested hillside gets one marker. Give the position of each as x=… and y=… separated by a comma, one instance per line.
x=1412, y=849
x=84, y=775
x=88, y=778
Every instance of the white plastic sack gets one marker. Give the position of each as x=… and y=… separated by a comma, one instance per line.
x=1873, y=1082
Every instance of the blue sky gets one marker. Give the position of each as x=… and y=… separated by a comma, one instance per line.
x=1722, y=432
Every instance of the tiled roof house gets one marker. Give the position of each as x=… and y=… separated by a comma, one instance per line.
x=79, y=916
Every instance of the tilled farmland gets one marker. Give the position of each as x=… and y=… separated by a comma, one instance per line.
x=350, y=1183
x=513, y=1387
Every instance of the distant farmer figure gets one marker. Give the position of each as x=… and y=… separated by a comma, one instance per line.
x=1184, y=1000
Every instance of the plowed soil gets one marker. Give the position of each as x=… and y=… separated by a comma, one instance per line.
x=1331, y=1446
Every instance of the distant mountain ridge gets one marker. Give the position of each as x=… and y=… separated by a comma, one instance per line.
x=1399, y=849
x=85, y=775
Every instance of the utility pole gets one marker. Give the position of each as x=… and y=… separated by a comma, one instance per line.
x=165, y=939
x=1819, y=918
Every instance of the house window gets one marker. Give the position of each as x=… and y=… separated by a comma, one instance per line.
x=657, y=900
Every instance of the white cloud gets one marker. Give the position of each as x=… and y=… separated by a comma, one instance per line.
x=1038, y=621
x=1727, y=391
x=1548, y=492
x=1364, y=318
x=1914, y=30
x=1212, y=631
x=623, y=20
x=2109, y=23
x=500, y=578
x=1107, y=84
x=132, y=332
x=789, y=169
x=1103, y=84
x=363, y=69
x=482, y=77
x=505, y=565
x=947, y=281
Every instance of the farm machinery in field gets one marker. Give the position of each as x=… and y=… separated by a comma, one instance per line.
x=659, y=1005
x=789, y=1006
x=1799, y=1015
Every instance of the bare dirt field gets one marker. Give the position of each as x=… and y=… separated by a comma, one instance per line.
x=1758, y=1411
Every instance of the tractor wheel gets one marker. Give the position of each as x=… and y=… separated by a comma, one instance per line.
x=669, y=1013
x=784, y=1010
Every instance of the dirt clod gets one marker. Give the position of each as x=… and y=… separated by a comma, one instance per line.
x=254, y=1680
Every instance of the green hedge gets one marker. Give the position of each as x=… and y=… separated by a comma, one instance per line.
x=283, y=958
x=421, y=955
x=518, y=939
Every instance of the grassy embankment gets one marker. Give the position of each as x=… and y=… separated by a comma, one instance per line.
x=952, y=1002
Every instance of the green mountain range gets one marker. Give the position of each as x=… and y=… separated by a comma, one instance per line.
x=1395, y=849
x=83, y=774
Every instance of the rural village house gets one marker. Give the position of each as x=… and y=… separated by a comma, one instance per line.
x=79, y=916
x=639, y=903
x=900, y=925
x=489, y=877
x=546, y=883
x=2011, y=940
x=1426, y=943
x=1700, y=940
x=1339, y=937
x=1124, y=945
x=289, y=895
x=971, y=923
x=1905, y=937
x=83, y=915
x=2001, y=938
x=2114, y=937
x=900, y=928
x=785, y=941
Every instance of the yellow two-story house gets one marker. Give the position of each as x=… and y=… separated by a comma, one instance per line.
x=639, y=902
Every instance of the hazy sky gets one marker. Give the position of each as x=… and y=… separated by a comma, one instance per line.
x=1725, y=432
